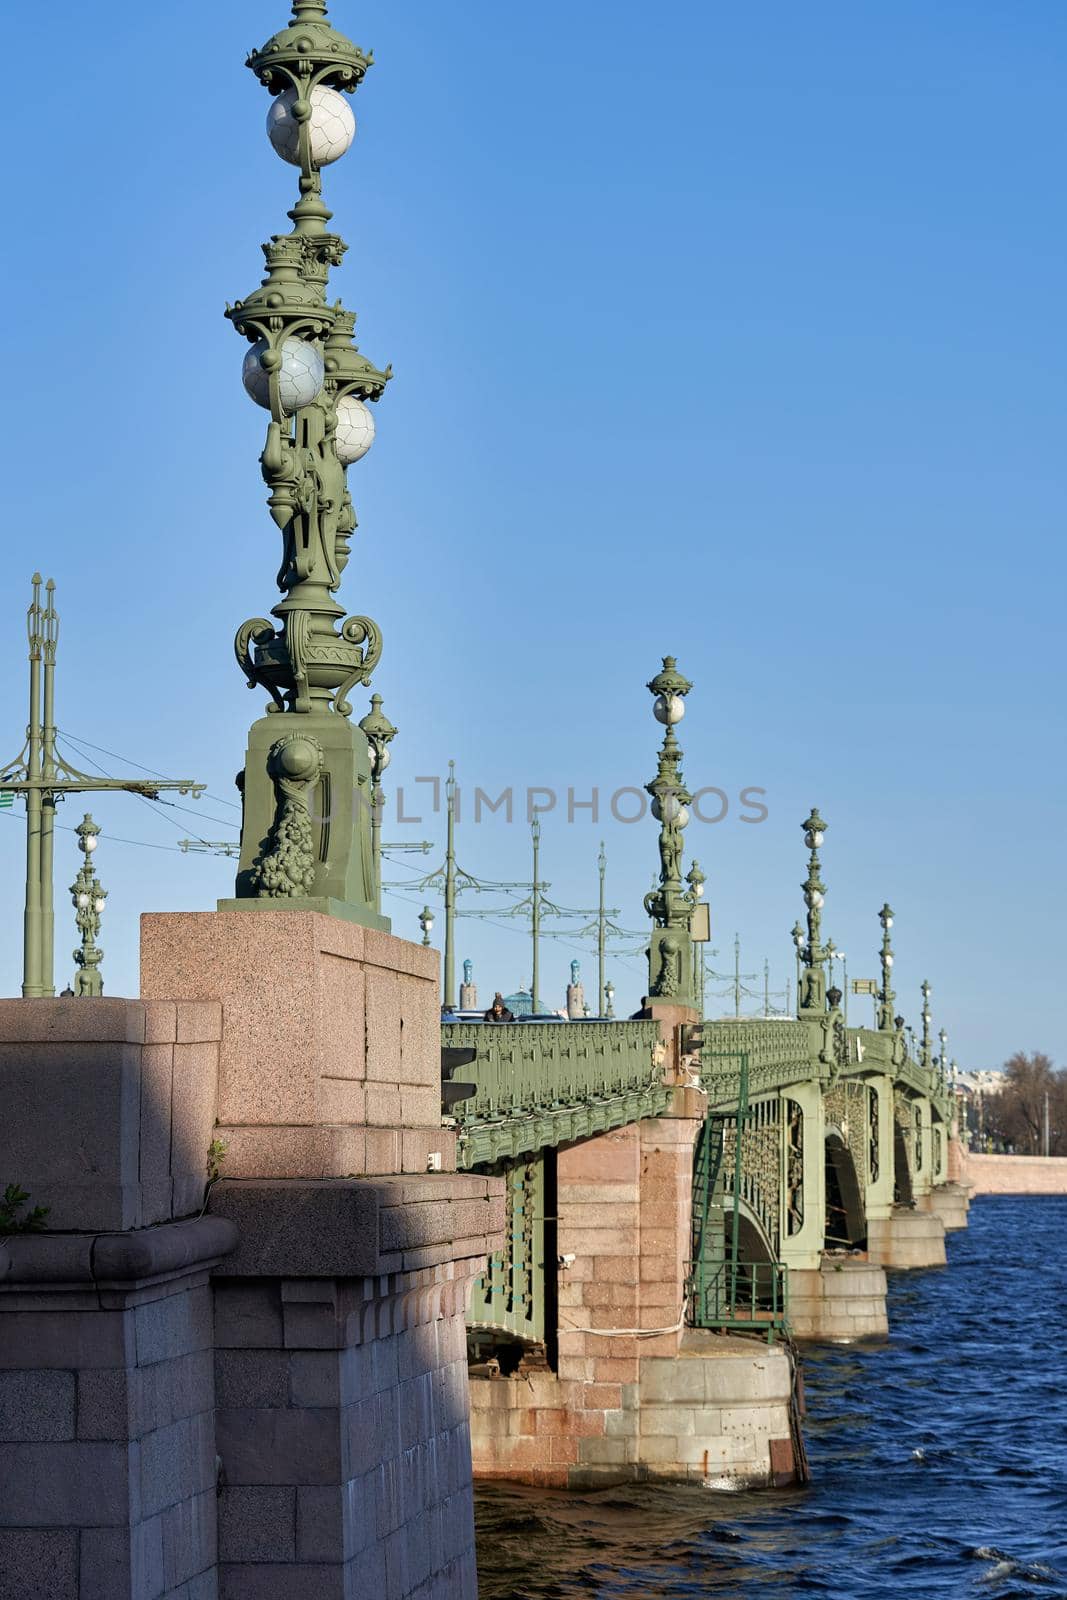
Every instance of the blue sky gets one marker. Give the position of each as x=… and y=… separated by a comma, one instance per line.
x=734, y=332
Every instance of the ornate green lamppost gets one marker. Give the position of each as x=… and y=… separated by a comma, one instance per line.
x=380, y=734
x=696, y=881
x=926, y=1057
x=306, y=838
x=886, y=997
x=942, y=1060
x=609, y=1001
x=426, y=923
x=670, y=950
x=797, y=934
x=811, y=992
x=88, y=898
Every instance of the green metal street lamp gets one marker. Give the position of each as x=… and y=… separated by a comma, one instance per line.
x=380, y=734
x=942, y=1060
x=609, y=1000
x=426, y=923
x=306, y=839
x=926, y=1057
x=88, y=898
x=886, y=1018
x=811, y=994
x=839, y=955
x=670, y=950
x=798, y=946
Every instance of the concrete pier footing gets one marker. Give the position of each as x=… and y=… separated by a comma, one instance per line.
x=949, y=1201
x=839, y=1302
x=907, y=1238
x=717, y=1414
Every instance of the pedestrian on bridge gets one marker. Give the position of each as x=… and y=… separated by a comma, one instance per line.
x=498, y=1011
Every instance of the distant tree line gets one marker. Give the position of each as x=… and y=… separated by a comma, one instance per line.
x=1013, y=1118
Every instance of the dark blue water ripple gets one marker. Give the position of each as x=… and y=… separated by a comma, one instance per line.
x=939, y=1461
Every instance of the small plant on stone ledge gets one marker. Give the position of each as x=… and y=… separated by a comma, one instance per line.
x=216, y=1155
x=15, y=1218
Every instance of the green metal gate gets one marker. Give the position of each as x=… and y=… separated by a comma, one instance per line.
x=510, y=1295
x=724, y=1291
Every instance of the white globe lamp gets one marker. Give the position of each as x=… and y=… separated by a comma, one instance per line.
x=668, y=708
x=331, y=124
x=300, y=377
x=355, y=430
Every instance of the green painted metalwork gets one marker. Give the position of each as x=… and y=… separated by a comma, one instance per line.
x=886, y=997
x=779, y=1053
x=310, y=782
x=543, y=1084
x=380, y=734
x=45, y=778
x=744, y=1296
x=724, y=1290
x=811, y=995
x=88, y=897
x=510, y=1295
x=670, y=950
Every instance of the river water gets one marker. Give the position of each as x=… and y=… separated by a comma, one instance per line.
x=939, y=1460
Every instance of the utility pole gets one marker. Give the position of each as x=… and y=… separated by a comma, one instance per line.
x=449, y=879
x=45, y=778
x=535, y=916
x=601, y=929
x=738, y=975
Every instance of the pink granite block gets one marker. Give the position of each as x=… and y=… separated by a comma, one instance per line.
x=383, y=1151
x=340, y=1100
x=420, y=1039
x=420, y=1108
x=342, y=986
x=198, y=1022
x=308, y=1152
x=160, y=1022
x=400, y=955
x=157, y=1069
x=335, y=937
x=193, y=1101
x=74, y=1021
x=383, y=1105
x=264, y=974
x=383, y=1026
x=417, y=1145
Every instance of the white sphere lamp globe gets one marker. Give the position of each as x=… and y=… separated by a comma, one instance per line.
x=668, y=708
x=355, y=430
x=332, y=126
x=299, y=380
x=670, y=810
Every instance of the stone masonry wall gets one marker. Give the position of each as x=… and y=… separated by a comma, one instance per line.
x=1015, y=1174
x=107, y=1438
x=341, y=1368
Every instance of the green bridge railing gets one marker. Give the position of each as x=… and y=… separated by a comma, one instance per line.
x=540, y=1084
x=743, y=1296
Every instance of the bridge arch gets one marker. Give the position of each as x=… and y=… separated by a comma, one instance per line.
x=846, y=1217
x=754, y=1244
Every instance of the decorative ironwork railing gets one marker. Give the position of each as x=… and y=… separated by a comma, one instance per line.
x=540, y=1084
x=741, y=1294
